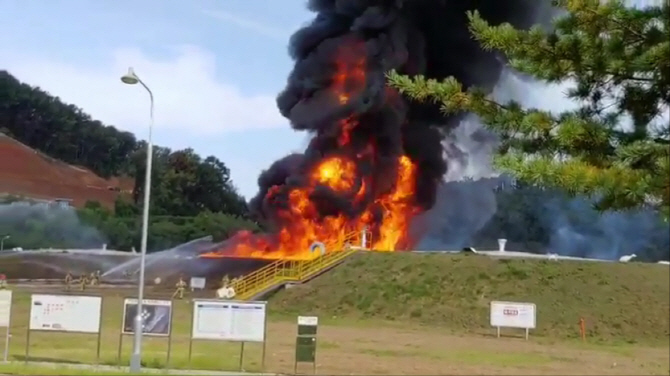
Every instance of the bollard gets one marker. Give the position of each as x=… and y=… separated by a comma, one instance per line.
x=501, y=245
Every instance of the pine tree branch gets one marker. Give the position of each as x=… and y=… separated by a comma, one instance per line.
x=584, y=152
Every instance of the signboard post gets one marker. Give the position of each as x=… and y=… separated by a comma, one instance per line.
x=226, y=320
x=513, y=315
x=6, y=317
x=156, y=321
x=305, y=344
x=65, y=313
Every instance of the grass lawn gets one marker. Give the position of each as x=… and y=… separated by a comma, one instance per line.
x=81, y=348
x=36, y=369
x=407, y=314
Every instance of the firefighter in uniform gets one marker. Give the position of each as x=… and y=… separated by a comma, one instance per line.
x=226, y=291
x=68, y=281
x=181, y=286
x=83, y=281
x=95, y=278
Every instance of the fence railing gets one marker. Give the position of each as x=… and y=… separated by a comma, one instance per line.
x=283, y=271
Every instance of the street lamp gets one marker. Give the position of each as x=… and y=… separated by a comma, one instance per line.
x=2, y=242
x=131, y=78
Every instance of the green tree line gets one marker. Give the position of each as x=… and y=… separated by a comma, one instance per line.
x=183, y=183
x=191, y=196
x=532, y=219
x=122, y=228
x=33, y=225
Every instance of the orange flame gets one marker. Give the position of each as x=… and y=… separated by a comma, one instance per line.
x=303, y=222
x=337, y=173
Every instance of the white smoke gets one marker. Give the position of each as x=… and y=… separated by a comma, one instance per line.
x=33, y=225
x=466, y=200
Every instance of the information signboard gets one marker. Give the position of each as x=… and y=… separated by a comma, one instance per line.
x=5, y=308
x=156, y=317
x=229, y=321
x=513, y=315
x=6, y=317
x=197, y=283
x=66, y=313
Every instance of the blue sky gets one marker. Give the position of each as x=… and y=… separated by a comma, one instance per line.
x=215, y=68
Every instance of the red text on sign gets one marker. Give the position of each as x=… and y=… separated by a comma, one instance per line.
x=510, y=312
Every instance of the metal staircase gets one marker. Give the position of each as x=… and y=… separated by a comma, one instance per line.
x=280, y=272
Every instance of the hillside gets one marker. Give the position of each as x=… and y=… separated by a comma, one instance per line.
x=27, y=172
x=620, y=302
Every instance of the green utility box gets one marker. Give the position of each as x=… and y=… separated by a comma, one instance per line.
x=305, y=343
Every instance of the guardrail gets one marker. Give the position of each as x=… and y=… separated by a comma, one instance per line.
x=283, y=271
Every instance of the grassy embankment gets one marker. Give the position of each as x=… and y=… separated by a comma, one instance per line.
x=620, y=302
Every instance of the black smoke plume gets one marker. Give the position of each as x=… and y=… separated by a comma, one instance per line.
x=369, y=38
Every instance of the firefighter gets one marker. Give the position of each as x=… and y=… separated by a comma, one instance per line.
x=179, y=291
x=225, y=281
x=83, y=281
x=68, y=281
x=95, y=278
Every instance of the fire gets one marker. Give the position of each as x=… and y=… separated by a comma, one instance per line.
x=387, y=216
x=337, y=173
x=349, y=77
x=293, y=241
x=399, y=210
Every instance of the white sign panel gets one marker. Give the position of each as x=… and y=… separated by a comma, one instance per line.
x=513, y=315
x=156, y=316
x=229, y=321
x=66, y=313
x=197, y=283
x=308, y=320
x=5, y=307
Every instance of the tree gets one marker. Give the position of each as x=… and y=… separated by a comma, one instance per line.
x=191, y=197
x=183, y=183
x=615, y=147
x=62, y=131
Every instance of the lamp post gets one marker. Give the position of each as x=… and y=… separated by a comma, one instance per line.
x=2, y=242
x=131, y=78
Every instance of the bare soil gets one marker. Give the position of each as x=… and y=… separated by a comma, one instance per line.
x=29, y=173
x=416, y=351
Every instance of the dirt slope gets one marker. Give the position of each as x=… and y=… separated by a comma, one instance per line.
x=27, y=172
x=620, y=302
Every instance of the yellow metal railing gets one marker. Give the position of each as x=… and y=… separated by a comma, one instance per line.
x=282, y=271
